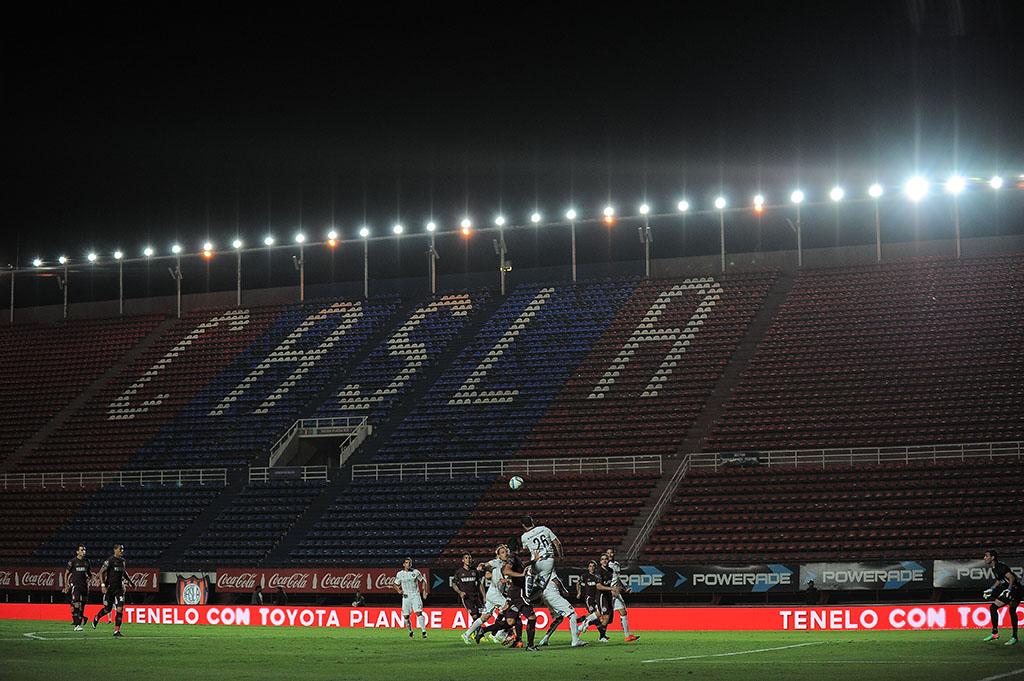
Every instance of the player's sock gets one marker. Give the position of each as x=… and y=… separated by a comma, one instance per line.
x=625, y=623
x=591, y=618
x=477, y=623
x=572, y=627
x=551, y=629
x=408, y=623
x=1013, y=619
x=422, y=619
x=602, y=629
x=117, y=620
x=994, y=610
x=531, y=631
x=518, y=624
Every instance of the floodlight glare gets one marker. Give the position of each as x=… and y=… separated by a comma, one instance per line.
x=37, y=262
x=720, y=202
x=916, y=188
x=996, y=182
x=118, y=255
x=398, y=229
x=875, y=190
x=644, y=209
x=268, y=240
x=62, y=260
x=570, y=214
x=148, y=252
x=797, y=196
x=332, y=235
x=207, y=246
x=608, y=211
x=499, y=221
x=837, y=194
x=364, y=232
x=431, y=227
x=683, y=206
x=300, y=238
x=176, y=249
x=91, y=257
x=955, y=184
x=236, y=244
x=535, y=218
x=759, y=200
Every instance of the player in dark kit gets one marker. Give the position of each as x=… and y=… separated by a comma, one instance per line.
x=1007, y=591
x=592, y=592
x=76, y=585
x=113, y=578
x=468, y=583
x=519, y=607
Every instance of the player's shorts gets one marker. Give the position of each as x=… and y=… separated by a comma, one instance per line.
x=78, y=594
x=411, y=603
x=521, y=606
x=474, y=608
x=113, y=599
x=618, y=603
x=495, y=601
x=590, y=603
x=554, y=599
x=1010, y=595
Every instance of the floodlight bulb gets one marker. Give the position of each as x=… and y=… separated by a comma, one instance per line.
x=62, y=260
x=431, y=227
x=466, y=229
x=332, y=235
x=996, y=182
x=118, y=255
x=148, y=252
x=570, y=214
x=268, y=240
x=398, y=229
x=236, y=244
x=644, y=209
x=466, y=224
x=955, y=184
x=837, y=194
x=37, y=262
x=875, y=190
x=207, y=246
x=916, y=188
x=91, y=257
x=683, y=206
x=758, y=200
x=364, y=232
x=500, y=221
x=608, y=211
x=176, y=249
x=720, y=202
x=300, y=238
x=535, y=218
x=797, y=196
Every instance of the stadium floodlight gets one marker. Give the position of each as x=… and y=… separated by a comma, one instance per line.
x=268, y=240
x=37, y=262
x=955, y=184
x=644, y=209
x=683, y=206
x=467, y=226
x=236, y=244
x=332, y=235
x=535, y=218
x=118, y=255
x=797, y=197
x=300, y=238
x=500, y=221
x=397, y=228
x=62, y=260
x=364, y=232
x=720, y=203
x=608, y=211
x=148, y=252
x=996, y=182
x=916, y=188
x=431, y=226
x=570, y=214
x=208, y=246
x=837, y=193
x=91, y=257
x=176, y=249
x=875, y=191
x=759, y=203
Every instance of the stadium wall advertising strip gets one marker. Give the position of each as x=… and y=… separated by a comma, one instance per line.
x=876, y=576
x=310, y=581
x=52, y=579
x=852, y=619
x=968, y=574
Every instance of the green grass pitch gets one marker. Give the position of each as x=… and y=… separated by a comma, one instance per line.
x=51, y=651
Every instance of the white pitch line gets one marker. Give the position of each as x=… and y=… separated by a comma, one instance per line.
x=739, y=652
x=1015, y=672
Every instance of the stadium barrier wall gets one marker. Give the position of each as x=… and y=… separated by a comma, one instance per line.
x=52, y=579
x=860, y=618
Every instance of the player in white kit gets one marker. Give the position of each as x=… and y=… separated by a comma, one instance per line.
x=408, y=582
x=495, y=598
x=619, y=603
x=544, y=548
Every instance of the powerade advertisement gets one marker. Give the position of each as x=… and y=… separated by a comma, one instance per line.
x=904, y=575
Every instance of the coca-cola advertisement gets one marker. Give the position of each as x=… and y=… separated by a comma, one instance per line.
x=309, y=580
x=52, y=579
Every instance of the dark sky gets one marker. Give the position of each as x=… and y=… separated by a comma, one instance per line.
x=154, y=127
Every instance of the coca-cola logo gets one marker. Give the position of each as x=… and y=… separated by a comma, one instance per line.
x=139, y=578
x=350, y=581
x=293, y=580
x=385, y=581
x=244, y=580
x=6, y=578
x=46, y=579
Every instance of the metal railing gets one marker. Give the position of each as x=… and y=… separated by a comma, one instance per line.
x=633, y=552
x=303, y=473
x=202, y=476
x=450, y=469
x=349, y=427
x=861, y=455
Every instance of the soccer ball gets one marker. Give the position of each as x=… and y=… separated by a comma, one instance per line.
x=516, y=482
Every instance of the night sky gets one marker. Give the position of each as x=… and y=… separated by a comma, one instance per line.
x=151, y=128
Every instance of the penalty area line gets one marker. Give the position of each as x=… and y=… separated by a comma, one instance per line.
x=1015, y=672
x=738, y=652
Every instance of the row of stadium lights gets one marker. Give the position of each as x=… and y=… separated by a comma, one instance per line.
x=916, y=189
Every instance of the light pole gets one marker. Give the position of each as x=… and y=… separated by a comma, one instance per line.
x=119, y=257
x=797, y=197
x=954, y=186
x=720, y=205
x=237, y=245
x=12, y=294
x=176, y=273
x=501, y=250
x=300, y=265
x=63, y=283
x=432, y=258
x=365, y=233
x=645, y=238
x=570, y=215
x=875, y=191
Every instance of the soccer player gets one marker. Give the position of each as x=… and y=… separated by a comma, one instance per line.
x=1007, y=591
x=495, y=600
x=618, y=602
x=468, y=583
x=516, y=571
x=588, y=589
x=113, y=580
x=544, y=547
x=408, y=582
x=76, y=583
